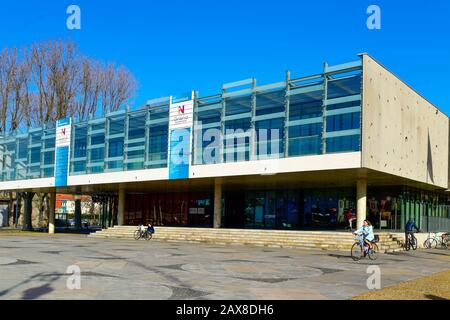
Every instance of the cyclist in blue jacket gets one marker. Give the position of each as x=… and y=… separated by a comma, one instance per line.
x=409, y=228
x=150, y=228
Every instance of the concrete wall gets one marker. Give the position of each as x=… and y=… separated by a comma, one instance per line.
x=403, y=134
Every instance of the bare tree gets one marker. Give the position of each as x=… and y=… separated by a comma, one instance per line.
x=118, y=88
x=21, y=99
x=8, y=66
x=89, y=91
x=51, y=80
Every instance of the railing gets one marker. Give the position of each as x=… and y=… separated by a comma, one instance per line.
x=435, y=224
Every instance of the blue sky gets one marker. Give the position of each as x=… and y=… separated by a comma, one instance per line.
x=176, y=46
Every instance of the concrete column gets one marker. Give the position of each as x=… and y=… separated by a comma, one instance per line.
x=217, y=203
x=361, y=198
x=51, y=213
x=121, y=208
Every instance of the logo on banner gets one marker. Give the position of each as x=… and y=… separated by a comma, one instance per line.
x=181, y=109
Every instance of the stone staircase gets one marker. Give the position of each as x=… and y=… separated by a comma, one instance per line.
x=324, y=240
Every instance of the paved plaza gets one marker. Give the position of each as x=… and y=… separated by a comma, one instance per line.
x=35, y=267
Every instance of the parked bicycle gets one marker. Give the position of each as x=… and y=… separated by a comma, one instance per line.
x=361, y=249
x=144, y=232
x=411, y=242
x=435, y=241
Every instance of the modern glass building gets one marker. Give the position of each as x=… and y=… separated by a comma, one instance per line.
x=298, y=154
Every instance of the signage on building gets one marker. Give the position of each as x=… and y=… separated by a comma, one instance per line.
x=62, y=154
x=181, y=117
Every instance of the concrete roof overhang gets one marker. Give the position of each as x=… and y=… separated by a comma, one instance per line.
x=288, y=181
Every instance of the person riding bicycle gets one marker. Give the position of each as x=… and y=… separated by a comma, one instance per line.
x=367, y=232
x=409, y=229
x=150, y=228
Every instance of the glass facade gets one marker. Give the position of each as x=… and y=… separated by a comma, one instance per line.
x=172, y=209
x=306, y=116
x=297, y=209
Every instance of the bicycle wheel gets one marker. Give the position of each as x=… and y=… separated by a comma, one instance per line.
x=356, y=252
x=148, y=236
x=430, y=243
x=414, y=243
x=408, y=243
x=372, y=253
x=445, y=243
x=137, y=235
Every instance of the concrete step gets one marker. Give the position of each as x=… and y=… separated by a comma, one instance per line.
x=322, y=240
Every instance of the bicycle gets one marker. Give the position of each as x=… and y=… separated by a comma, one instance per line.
x=142, y=232
x=411, y=242
x=360, y=249
x=434, y=241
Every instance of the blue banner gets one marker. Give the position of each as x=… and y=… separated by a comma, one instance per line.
x=61, y=166
x=179, y=156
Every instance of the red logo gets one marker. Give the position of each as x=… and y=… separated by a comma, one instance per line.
x=181, y=109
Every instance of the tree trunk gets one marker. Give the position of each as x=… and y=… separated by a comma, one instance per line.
x=27, y=222
x=78, y=214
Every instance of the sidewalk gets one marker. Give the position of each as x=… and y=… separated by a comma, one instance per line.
x=434, y=287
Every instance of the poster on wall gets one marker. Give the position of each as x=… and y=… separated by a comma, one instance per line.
x=62, y=145
x=181, y=117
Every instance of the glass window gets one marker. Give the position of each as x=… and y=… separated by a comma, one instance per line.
x=209, y=116
x=115, y=148
x=237, y=147
x=23, y=145
x=116, y=125
x=158, y=143
x=35, y=155
x=159, y=112
x=97, y=154
x=342, y=122
x=305, y=139
x=270, y=135
x=343, y=144
x=98, y=126
x=80, y=142
x=136, y=126
x=238, y=105
x=97, y=139
x=36, y=138
x=49, y=158
x=344, y=105
x=48, y=172
x=306, y=105
x=344, y=87
x=268, y=103
x=79, y=166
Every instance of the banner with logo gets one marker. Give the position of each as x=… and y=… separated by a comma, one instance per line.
x=181, y=117
x=62, y=154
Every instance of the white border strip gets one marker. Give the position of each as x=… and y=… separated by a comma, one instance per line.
x=257, y=167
